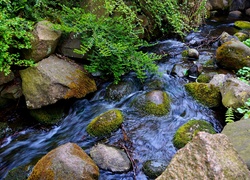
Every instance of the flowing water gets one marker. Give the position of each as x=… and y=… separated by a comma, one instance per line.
x=148, y=137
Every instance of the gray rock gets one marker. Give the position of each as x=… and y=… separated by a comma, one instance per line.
x=225, y=37
x=54, y=79
x=13, y=90
x=193, y=53
x=218, y=4
x=247, y=11
x=181, y=70
x=218, y=80
x=123, y=88
x=44, y=42
x=67, y=46
x=110, y=158
x=238, y=134
x=5, y=79
x=234, y=93
x=207, y=157
x=67, y=161
x=235, y=14
x=154, y=168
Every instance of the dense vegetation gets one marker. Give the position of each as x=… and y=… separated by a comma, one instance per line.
x=110, y=39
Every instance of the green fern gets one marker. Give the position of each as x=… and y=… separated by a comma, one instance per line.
x=229, y=115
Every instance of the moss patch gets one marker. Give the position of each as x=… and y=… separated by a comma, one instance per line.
x=203, y=78
x=105, y=123
x=48, y=115
x=242, y=24
x=205, y=93
x=187, y=131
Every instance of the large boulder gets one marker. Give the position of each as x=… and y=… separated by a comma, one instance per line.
x=53, y=79
x=238, y=134
x=67, y=161
x=154, y=102
x=207, y=156
x=205, y=93
x=68, y=44
x=44, y=42
x=233, y=55
x=110, y=158
x=105, y=123
x=234, y=93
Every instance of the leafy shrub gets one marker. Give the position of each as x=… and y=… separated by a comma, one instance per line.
x=247, y=42
x=172, y=16
x=14, y=37
x=111, y=42
x=244, y=74
x=245, y=110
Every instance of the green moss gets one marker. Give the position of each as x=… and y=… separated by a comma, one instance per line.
x=19, y=173
x=184, y=53
x=105, y=123
x=242, y=24
x=203, y=78
x=187, y=131
x=205, y=93
x=48, y=115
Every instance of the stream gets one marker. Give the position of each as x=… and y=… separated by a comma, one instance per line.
x=150, y=137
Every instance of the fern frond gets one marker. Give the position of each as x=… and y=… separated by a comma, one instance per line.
x=229, y=115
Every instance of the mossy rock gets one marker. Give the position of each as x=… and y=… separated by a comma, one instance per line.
x=48, y=115
x=154, y=84
x=241, y=36
x=154, y=168
x=105, y=123
x=153, y=103
x=203, y=78
x=186, y=132
x=242, y=24
x=205, y=93
x=19, y=173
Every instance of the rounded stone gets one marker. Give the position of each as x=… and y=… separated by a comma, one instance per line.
x=186, y=132
x=110, y=158
x=105, y=123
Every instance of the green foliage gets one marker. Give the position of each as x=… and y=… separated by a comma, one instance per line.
x=179, y=16
x=245, y=110
x=247, y=42
x=229, y=115
x=111, y=42
x=14, y=37
x=244, y=74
